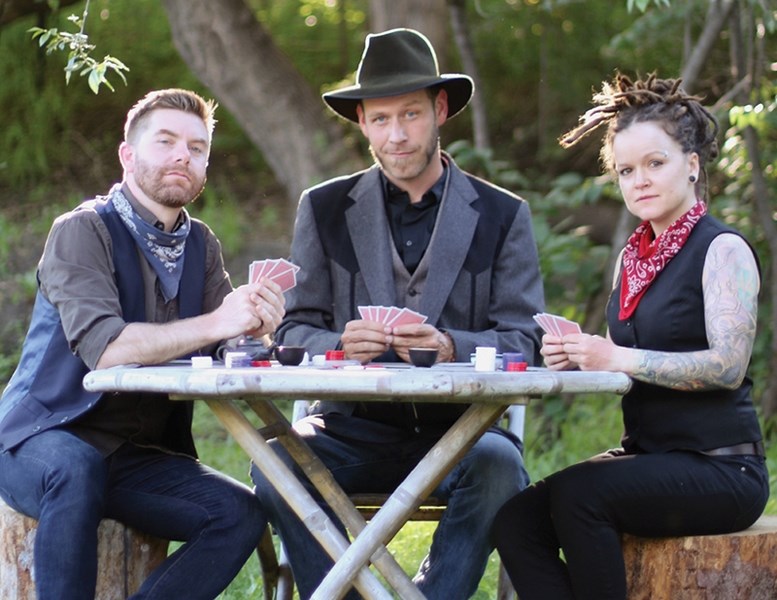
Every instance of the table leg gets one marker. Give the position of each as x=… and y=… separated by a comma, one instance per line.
x=298, y=498
x=405, y=499
x=333, y=495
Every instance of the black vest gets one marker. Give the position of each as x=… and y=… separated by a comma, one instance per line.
x=670, y=317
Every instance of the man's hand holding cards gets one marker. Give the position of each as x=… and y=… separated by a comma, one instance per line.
x=279, y=270
x=556, y=325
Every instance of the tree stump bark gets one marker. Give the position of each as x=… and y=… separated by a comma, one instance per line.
x=736, y=566
x=125, y=557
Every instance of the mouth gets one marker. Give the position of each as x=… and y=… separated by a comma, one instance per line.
x=178, y=175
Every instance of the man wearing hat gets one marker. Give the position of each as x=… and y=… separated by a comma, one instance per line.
x=412, y=231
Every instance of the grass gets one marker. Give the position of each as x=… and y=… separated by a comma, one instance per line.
x=558, y=432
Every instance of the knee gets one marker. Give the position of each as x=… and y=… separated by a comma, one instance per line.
x=510, y=518
x=496, y=462
x=242, y=511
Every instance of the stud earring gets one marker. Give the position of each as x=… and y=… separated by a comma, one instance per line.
x=692, y=179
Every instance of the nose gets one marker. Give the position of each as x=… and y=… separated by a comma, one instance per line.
x=182, y=153
x=397, y=132
x=641, y=179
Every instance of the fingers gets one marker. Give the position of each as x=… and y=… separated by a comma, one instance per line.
x=365, y=340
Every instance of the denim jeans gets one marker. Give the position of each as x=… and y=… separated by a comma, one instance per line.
x=584, y=508
x=68, y=486
x=490, y=473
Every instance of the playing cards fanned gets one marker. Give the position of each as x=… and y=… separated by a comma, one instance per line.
x=280, y=270
x=556, y=325
x=391, y=316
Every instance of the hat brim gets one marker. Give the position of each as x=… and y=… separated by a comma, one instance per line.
x=344, y=101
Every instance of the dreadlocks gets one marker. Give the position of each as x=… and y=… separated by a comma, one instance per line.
x=624, y=102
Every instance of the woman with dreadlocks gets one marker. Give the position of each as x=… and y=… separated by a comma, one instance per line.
x=681, y=323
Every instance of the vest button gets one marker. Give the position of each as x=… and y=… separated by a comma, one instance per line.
x=412, y=293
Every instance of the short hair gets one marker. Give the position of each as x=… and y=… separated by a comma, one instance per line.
x=624, y=102
x=173, y=98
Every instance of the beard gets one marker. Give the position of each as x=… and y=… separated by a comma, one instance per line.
x=150, y=179
x=411, y=167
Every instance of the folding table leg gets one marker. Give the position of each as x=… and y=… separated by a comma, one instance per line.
x=298, y=498
x=403, y=502
x=334, y=495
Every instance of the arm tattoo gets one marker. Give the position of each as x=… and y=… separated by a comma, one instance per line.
x=730, y=282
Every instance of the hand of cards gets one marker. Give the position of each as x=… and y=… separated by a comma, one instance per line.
x=391, y=315
x=555, y=325
x=280, y=270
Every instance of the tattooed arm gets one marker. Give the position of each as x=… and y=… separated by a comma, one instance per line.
x=730, y=283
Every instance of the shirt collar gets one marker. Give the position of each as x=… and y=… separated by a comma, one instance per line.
x=391, y=190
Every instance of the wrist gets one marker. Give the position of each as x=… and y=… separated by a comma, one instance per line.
x=446, y=347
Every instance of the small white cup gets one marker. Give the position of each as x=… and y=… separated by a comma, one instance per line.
x=485, y=358
x=202, y=362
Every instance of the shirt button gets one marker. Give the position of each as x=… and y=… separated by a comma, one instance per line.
x=408, y=243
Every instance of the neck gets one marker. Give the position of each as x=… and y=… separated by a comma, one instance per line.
x=422, y=183
x=167, y=215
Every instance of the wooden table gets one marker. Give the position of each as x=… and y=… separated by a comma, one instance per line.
x=488, y=393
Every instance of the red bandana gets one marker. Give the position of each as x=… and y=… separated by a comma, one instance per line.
x=644, y=256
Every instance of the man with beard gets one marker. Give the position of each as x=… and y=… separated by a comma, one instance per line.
x=412, y=231
x=128, y=278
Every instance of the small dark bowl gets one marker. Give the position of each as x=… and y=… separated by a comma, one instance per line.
x=290, y=355
x=423, y=357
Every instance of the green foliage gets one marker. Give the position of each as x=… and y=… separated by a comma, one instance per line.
x=79, y=50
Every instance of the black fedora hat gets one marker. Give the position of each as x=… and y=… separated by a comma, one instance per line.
x=397, y=62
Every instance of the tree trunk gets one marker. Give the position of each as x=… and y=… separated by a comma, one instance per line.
x=235, y=57
x=430, y=17
x=704, y=567
x=464, y=43
x=717, y=14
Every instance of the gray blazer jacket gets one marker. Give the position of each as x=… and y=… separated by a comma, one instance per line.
x=483, y=283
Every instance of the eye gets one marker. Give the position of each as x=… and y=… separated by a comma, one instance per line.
x=624, y=171
x=198, y=150
x=655, y=163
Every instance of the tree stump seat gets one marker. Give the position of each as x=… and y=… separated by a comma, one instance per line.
x=733, y=566
x=125, y=557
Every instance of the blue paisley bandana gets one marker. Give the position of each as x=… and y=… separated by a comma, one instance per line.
x=164, y=251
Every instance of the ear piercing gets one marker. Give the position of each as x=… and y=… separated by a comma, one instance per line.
x=692, y=179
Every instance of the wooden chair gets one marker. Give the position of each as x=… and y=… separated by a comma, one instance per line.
x=277, y=577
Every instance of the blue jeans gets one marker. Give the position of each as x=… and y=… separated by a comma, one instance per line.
x=490, y=473
x=68, y=486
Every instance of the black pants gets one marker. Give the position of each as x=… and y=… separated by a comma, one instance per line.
x=583, y=510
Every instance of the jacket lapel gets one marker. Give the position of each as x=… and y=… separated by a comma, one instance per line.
x=450, y=243
x=369, y=231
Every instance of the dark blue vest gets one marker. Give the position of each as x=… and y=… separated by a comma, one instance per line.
x=46, y=389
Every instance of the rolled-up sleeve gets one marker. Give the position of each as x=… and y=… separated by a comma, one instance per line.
x=76, y=275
